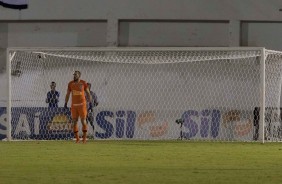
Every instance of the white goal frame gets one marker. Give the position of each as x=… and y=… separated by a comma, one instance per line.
x=11, y=51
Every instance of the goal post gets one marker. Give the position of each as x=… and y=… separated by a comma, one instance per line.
x=9, y=56
x=262, y=95
x=206, y=94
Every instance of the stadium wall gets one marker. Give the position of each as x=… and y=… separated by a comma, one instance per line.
x=93, y=23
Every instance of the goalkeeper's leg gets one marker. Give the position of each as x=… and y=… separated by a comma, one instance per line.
x=74, y=114
x=84, y=130
x=83, y=114
x=75, y=131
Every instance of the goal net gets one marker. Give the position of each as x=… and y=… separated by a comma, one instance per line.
x=223, y=94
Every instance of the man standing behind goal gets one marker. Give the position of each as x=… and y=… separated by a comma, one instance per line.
x=53, y=96
x=90, y=114
x=78, y=88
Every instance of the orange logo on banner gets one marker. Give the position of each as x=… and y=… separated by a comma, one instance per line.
x=148, y=118
x=242, y=128
x=157, y=131
x=60, y=122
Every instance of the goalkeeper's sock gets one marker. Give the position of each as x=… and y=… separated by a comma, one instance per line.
x=77, y=137
x=75, y=130
x=84, y=130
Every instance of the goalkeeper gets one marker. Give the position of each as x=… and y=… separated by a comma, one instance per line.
x=78, y=88
x=90, y=114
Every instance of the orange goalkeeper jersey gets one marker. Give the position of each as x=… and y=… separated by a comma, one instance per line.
x=77, y=90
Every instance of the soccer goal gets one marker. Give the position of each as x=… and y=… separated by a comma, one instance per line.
x=213, y=94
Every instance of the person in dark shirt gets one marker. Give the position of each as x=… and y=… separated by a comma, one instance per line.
x=90, y=113
x=53, y=96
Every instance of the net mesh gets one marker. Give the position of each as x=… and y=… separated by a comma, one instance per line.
x=149, y=94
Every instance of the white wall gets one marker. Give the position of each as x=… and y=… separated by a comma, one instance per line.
x=189, y=22
x=265, y=34
x=147, y=9
x=72, y=23
x=146, y=87
x=57, y=34
x=3, y=45
x=3, y=89
x=173, y=86
x=174, y=34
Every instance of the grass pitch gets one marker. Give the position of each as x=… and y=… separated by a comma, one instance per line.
x=143, y=162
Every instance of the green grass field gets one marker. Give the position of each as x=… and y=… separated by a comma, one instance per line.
x=158, y=162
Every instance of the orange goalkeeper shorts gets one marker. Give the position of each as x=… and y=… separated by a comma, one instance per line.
x=79, y=111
